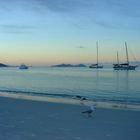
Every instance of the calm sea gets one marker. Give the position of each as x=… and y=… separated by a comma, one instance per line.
x=102, y=85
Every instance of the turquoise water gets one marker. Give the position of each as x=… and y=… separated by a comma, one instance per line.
x=101, y=85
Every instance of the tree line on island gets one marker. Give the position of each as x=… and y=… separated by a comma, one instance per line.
x=69, y=65
x=3, y=65
x=59, y=65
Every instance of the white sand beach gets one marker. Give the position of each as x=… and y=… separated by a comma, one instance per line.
x=22, y=119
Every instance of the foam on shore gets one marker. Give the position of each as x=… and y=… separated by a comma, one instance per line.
x=74, y=101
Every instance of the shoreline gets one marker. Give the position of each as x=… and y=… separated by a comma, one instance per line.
x=71, y=101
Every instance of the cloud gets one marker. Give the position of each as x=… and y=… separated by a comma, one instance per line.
x=126, y=7
x=64, y=6
x=113, y=14
x=82, y=14
x=80, y=47
x=16, y=29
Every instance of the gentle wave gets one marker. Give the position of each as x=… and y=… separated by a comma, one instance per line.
x=36, y=93
x=98, y=85
x=97, y=104
x=129, y=100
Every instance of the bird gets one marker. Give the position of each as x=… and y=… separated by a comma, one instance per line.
x=88, y=112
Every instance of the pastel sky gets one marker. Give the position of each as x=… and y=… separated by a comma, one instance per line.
x=46, y=32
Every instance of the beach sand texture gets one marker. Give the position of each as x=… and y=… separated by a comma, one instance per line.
x=34, y=120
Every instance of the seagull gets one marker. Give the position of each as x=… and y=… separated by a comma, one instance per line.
x=81, y=97
x=88, y=112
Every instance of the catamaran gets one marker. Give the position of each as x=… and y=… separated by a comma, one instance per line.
x=124, y=66
x=96, y=66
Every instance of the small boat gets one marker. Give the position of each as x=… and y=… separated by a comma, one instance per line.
x=124, y=66
x=23, y=66
x=96, y=66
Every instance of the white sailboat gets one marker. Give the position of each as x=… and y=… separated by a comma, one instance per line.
x=23, y=66
x=96, y=66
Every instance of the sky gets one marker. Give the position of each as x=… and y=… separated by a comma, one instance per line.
x=45, y=32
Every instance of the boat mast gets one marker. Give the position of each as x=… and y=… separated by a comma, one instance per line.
x=127, y=53
x=97, y=52
x=117, y=58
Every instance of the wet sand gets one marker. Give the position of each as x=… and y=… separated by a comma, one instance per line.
x=34, y=120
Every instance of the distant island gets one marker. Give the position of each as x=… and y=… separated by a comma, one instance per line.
x=69, y=65
x=3, y=65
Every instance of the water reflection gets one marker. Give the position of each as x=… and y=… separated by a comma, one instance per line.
x=105, y=84
x=97, y=81
x=122, y=84
x=122, y=79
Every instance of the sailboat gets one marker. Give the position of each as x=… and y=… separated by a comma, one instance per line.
x=117, y=66
x=96, y=66
x=124, y=66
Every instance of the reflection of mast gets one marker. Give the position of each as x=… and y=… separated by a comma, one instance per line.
x=127, y=81
x=127, y=87
x=117, y=81
x=97, y=82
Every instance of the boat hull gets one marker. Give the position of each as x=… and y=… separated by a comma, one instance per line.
x=124, y=67
x=23, y=67
x=95, y=67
